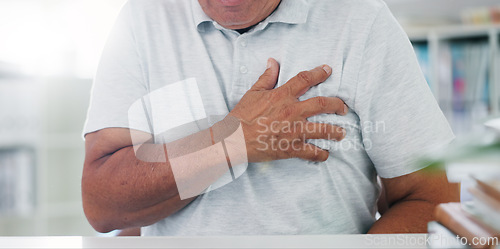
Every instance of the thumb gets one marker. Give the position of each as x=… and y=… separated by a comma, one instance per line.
x=269, y=78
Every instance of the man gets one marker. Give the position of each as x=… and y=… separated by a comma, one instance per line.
x=206, y=58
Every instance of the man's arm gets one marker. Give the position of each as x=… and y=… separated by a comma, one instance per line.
x=120, y=191
x=412, y=199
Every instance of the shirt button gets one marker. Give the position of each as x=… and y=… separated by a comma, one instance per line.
x=243, y=69
x=243, y=43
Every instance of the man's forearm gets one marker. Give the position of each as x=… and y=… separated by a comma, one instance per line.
x=412, y=199
x=131, y=188
x=125, y=192
x=405, y=217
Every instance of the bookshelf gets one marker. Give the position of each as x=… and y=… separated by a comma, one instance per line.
x=466, y=93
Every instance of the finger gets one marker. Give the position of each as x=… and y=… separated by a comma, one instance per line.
x=312, y=153
x=324, y=131
x=269, y=78
x=319, y=105
x=301, y=83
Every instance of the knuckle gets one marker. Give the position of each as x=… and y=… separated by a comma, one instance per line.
x=289, y=91
x=287, y=111
x=322, y=102
x=323, y=130
x=276, y=96
x=298, y=130
x=305, y=77
x=262, y=77
x=294, y=148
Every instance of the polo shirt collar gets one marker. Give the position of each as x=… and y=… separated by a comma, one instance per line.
x=289, y=11
x=199, y=16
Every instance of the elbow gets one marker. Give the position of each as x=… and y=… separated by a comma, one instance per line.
x=98, y=216
x=100, y=226
x=95, y=216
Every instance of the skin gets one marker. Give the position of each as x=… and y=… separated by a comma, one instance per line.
x=410, y=201
x=135, y=231
x=119, y=191
x=238, y=14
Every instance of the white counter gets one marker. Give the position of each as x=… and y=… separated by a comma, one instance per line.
x=322, y=241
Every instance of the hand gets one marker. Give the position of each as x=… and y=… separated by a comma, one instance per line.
x=275, y=122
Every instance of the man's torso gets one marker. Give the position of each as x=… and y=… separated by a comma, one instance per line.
x=280, y=197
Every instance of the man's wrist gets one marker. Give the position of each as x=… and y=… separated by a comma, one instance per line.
x=229, y=132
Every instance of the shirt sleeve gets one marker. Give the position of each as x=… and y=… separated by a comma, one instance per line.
x=119, y=80
x=399, y=115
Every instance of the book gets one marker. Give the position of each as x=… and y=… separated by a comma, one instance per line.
x=494, y=124
x=442, y=237
x=452, y=216
x=487, y=208
x=491, y=188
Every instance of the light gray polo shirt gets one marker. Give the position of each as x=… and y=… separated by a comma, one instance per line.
x=393, y=114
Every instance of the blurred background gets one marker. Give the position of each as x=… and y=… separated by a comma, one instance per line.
x=49, y=51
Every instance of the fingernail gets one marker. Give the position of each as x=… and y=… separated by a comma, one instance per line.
x=269, y=64
x=327, y=69
x=346, y=109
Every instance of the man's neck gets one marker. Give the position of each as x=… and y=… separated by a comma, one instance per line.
x=244, y=30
